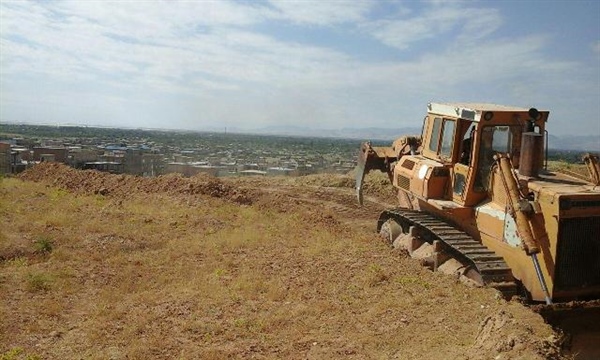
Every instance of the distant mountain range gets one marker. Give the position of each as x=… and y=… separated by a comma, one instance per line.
x=575, y=142
x=566, y=142
x=370, y=133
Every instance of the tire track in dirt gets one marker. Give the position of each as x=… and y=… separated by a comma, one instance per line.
x=342, y=203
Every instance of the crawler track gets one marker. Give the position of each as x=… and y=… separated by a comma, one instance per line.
x=460, y=245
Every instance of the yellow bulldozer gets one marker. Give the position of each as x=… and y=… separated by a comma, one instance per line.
x=476, y=200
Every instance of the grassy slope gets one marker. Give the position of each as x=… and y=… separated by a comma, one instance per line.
x=158, y=276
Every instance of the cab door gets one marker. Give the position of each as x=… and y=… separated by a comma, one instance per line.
x=463, y=191
x=463, y=160
x=460, y=182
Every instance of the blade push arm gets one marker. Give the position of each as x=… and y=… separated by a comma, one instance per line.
x=521, y=211
x=372, y=158
x=591, y=161
x=383, y=159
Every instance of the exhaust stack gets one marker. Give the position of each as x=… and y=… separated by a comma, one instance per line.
x=530, y=161
x=531, y=150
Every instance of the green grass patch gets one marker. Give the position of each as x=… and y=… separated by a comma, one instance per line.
x=39, y=282
x=18, y=353
x=43, y=245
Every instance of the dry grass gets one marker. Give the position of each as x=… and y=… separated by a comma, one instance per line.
x=577, y=170
x=156, y=276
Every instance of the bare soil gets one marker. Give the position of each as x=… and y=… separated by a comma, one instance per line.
x=203, y=267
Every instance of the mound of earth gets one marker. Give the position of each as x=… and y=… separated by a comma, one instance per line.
x=122, y=186
x=512, y=338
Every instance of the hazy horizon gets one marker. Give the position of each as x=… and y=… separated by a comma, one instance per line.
x=582, y=142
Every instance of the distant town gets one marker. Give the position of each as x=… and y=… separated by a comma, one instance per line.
x=153, y=153
x=157, y=152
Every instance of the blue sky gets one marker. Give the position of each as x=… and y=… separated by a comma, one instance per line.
x=320, y=64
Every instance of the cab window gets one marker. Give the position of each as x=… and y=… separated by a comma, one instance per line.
x=494, y=139
x=501, y=139
x=447, y=139
x=435, y=135
x=442, y=130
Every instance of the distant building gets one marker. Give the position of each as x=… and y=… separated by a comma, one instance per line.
x=280, y=171
x=153, y=165
x=132, y=161
x=179, y=158
x=189, y=170
x=5, y=163
x=23, y=154
x=58, y=154
x=78, y=156
x=253, y=173
x=244, y=167
x=26, y=143
x=106, y=166
x=47, y=158
x=13, y=158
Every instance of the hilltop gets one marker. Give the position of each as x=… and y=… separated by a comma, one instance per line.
x=94, y=265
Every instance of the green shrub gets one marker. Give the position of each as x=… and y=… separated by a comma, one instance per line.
x=43, y=245
x=39, y=282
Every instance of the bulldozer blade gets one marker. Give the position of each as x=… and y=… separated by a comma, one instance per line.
x=566, y=307
x=579, y=325
x=361, y=169
x=372, y=158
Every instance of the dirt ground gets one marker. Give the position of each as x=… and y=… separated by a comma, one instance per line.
x=282, y=268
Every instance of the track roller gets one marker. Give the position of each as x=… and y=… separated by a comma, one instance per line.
x=441, y=247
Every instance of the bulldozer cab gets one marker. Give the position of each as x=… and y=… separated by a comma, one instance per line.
x=453, y=158
x=465, y=138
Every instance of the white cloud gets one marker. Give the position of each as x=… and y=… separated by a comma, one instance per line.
x=437, y=21
x=160, y=18
x=323, y=12
x=74, y=43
